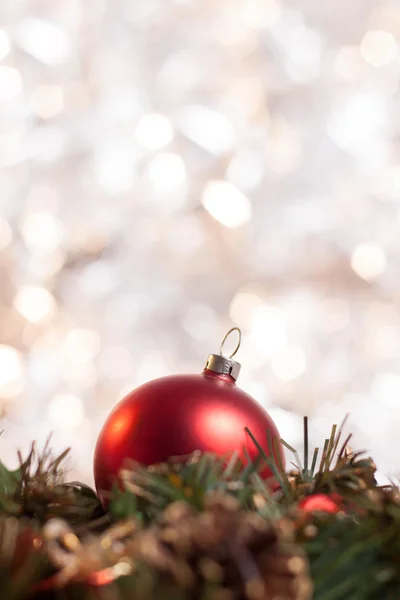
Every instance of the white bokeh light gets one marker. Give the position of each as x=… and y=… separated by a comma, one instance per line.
x=226, y=204
x=245, y=171
x=243, y=306
x=11, y=371
x=6, y=234
x=290, y=363
x=368, y=261
x=115, y=168
x=167, y=172
x=208, y=128
x=80, y=345
x=348, y=63
x=47, y=101
x=35, y=303
x=44, y=41
x=386, y=389
x=66, y=411
x=154, y=131
x=4, y=44
x=268, y=334
x=357, y=121
x=41, y=232
x=10, y=83
x=379, y=48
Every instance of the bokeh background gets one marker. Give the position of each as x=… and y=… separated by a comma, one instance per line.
x=172, y=168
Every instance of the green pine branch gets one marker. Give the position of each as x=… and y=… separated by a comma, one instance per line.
x=352, y=554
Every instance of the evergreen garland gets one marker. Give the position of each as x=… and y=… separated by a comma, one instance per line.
x=203, y=528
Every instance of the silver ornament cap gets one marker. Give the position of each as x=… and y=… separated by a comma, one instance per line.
x=225, y=365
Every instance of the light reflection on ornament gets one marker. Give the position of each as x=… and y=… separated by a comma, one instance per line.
x=220, y=426
x=122, y=422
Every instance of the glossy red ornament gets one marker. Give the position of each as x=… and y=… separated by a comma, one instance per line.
x=321, y=503
x=179, y=414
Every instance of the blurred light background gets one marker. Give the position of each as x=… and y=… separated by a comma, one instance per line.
x=170, y=168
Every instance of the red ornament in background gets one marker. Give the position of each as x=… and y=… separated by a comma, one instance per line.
x=321, y=503
x=179, y=414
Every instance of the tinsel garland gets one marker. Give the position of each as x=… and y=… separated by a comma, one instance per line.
x=205, y=528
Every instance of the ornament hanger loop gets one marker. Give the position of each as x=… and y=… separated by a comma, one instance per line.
x=237, y=345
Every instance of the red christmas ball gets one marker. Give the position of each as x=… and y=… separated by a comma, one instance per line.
x=179, y=414
x=327, y=503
